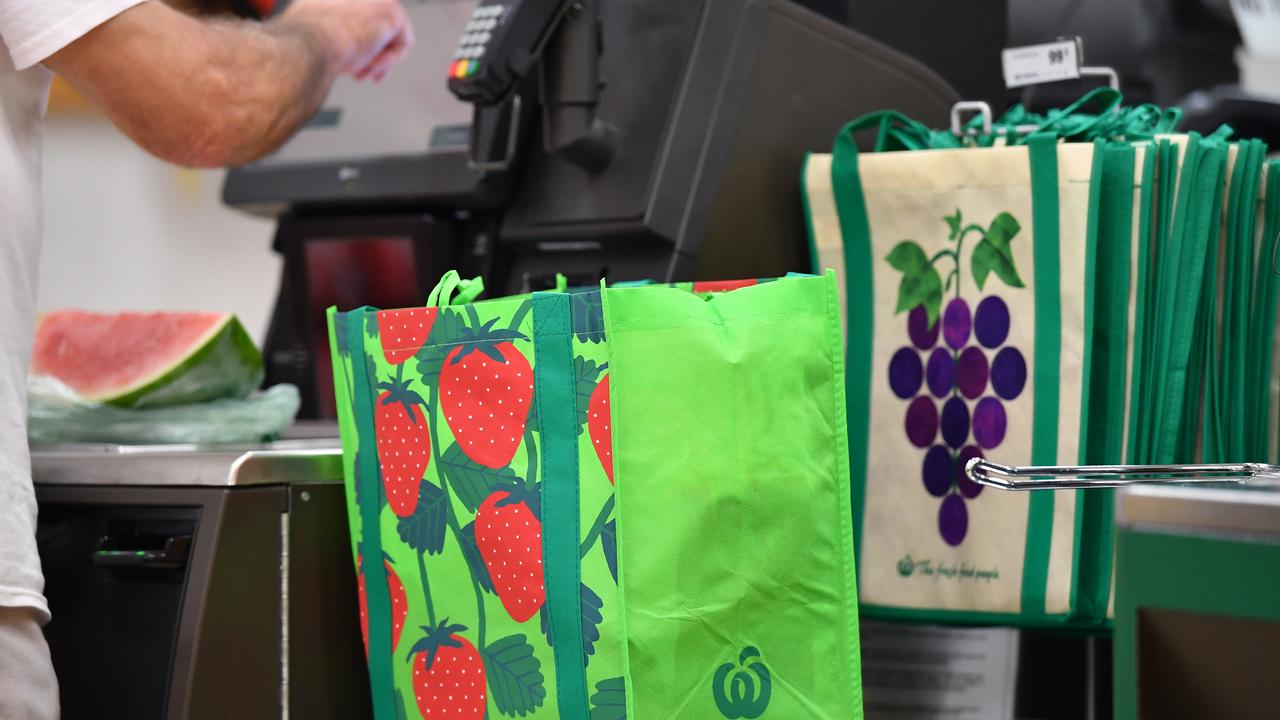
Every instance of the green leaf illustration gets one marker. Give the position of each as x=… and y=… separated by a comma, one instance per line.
x=591, y=619
x=424, y=529
x=587, y=315
x=470, y=480
x=475, y=561
x=399, y=707
x=544, y=622
x=444, y=335
x=907, y=257
x=609, y=702
x=1002, y=230
x=921, y=284
x=609, y=543
x=586, y=374
x=371, y=324
x=954, y=222
x=341, y=338
x=994, y=253
x=514, y=675
x=924, y=288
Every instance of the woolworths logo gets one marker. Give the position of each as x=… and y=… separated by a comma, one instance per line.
x=906, y=566
x=938, y=570
x=742, y=690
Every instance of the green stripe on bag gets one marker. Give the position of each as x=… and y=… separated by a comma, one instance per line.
x=859, y=304
x=1044, y=439
x=555, y=402
x=378, y=596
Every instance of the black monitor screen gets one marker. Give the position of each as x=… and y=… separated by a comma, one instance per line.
x=411, y=112
x=349, y=273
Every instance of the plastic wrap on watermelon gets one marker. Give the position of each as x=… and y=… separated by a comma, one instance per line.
x=58, y=414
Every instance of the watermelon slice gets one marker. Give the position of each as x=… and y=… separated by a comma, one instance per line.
x=137, y=360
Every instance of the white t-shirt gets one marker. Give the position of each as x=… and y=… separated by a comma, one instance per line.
x=30, y=31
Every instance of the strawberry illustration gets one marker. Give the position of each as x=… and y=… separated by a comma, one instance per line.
x=448, y=675
x=486, y=387
x=399, y=605
x=707, y=286
x=598, y=425
x=404, y=443
x=509, y=534
x=404, y=332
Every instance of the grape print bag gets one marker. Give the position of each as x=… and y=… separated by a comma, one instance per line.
x=970, y=285
x=599, y=504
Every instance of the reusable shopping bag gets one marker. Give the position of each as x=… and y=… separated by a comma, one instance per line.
x=1031, y=297
x=624, y=502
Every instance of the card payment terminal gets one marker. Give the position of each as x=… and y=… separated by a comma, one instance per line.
x=500, y=45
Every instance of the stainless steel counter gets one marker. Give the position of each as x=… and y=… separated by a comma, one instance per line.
x=1201, y=510
x=287, y=462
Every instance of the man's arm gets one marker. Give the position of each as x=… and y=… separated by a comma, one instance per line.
x=207, y=93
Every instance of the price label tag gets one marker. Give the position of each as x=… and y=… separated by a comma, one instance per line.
x=1044, y=63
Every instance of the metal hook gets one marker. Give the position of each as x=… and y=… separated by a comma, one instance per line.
x=959, y=108
x=1070, y=477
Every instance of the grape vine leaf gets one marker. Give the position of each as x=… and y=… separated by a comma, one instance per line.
x=475, y=561
x=921, y=284
x=514, y=675
x=995, y=254
x=609, y=543
x=610, y=700
x=954, y=222
x=424, y=529
x=586, y=374
x=591, y=619
x=470, y=480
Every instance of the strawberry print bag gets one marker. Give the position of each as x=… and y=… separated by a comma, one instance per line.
x=569, y=522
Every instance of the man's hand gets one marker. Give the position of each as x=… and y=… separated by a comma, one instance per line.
x=210, y=93
x=365, y=38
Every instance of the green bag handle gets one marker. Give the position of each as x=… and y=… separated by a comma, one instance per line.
x=443, y=295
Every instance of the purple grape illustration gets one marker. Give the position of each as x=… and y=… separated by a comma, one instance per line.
x=989, y=422
x=905, y=373
x=958, y=370
x=953, y=519
x=941, y=373
x=1008, y=373
x=956, y=323
x=971, y=372
x=922, y=331
x=991, y=322
x=922, y=422
x=955, y=422
x=968, y=488
x=938, y=471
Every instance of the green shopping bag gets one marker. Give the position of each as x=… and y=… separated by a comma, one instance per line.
x=622, y=502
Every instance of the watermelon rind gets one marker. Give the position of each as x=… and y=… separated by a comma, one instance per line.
x=225, y=364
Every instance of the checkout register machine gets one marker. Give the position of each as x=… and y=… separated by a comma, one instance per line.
x=618, y=139
x=615, y=139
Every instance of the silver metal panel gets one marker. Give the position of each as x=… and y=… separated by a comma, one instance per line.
x=290, y=462
x=1210, y=511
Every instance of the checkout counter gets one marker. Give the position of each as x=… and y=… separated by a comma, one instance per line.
x=200, y=583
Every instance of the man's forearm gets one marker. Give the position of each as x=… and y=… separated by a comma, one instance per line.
x=201, y=93
x=274, y=77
